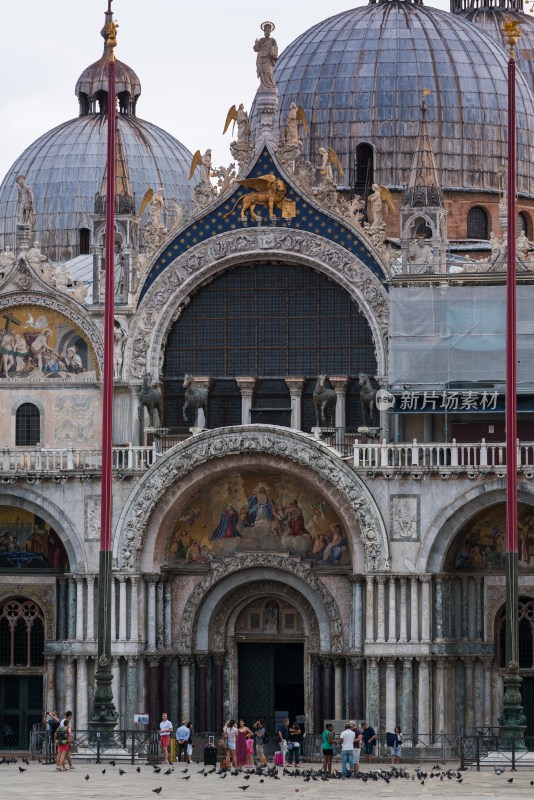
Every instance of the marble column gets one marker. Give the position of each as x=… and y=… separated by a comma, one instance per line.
x=134, y=624
x=160, y=614
x=122, y=607
x=185, y=673
x=50, y=683
x=373, y=693
x=414, y=609
x=295, y=386
x=317, y=672
x=438, y=607
x=392, y=611
x=68, y=677
x=153, y=682
x=479, y=603
x=218, y=663
x=174, y=691
x=116, y=686
x=71, y=624
x=79, y=607
x=246, y=387
x=381, y=608
x=165, y=693
x=62, y=611
x=328, y=689
x=151, y=613
x=356, y=705
x=426, y=610
x=90, y=607
x=81, y=694
x=113, y=620
x=338, y=689
x=202, y=665
x=487, y=664
x=403, y=611
x=167, y=616
x=423, y=698
x=131, y=692
x=391, y=694
x=465, y=605
x=439, y=698
x=369, y=609
x=340, y=385
x=407, y=696
x=469, y=666
x=357, y=614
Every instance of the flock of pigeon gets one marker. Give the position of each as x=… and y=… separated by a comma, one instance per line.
x=261, y=773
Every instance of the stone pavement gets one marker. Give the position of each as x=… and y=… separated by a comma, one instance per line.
x=41, y=782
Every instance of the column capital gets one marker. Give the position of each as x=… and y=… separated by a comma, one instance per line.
x=295, y=386
x=202, y=660
x=339, y=383
x=152, y=578
x=79, y=578
x=131, y=661
x=185, y=660
x=356, y=579
x=338, y=662
x=68, y=659
x=440, y=661
x=373, y=662
x=90, y=578
x=246, y=385
x=134, y=579
x=425, y=578
x=407, y=663
x=369, y=579
x=381, y=579
x=469, y=661
x=218, y=659
x=121, y=577
x=356, y=662
x=326, y=659
x=82, y=659
x=424, y=661
x=390, y=662
x=50, y=660
x=153, y=661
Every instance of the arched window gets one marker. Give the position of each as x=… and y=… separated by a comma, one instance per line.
x=423, y=229
x=477, y=224
x=526, y=634
x=27, y=425
x=21, y=634
x=364, y=169
x=85, y=238
x=522, y=224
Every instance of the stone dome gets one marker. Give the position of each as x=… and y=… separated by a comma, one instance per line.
x=490, y=20
x=360, y=76
x=65, y=167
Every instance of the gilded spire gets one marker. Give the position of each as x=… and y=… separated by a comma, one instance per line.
x=512, y=31
x=424, y=177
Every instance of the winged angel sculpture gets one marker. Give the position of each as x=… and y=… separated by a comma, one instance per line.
x=240, y=117
x=377, y=198
x=329, y=163
x=268, y=191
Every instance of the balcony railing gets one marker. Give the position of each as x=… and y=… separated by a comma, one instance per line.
x=440, y=457
x=44, y=460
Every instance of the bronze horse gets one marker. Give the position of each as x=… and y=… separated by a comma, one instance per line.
x=324, y=401
x=149, y=398
x=367, y=399
x=195, y=397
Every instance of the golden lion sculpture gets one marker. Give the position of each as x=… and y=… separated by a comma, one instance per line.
x=269, y=191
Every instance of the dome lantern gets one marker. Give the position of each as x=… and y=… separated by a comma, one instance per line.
x=92, y=85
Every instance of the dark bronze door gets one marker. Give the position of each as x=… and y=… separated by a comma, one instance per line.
x=21, y=706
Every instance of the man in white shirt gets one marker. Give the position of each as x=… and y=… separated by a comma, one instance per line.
x=357, y=745
x=347, y=750
x=165, y=730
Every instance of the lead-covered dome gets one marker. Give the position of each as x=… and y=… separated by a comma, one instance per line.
x=360, y=77
x=65, y=167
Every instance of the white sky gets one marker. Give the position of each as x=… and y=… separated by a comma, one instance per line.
x=194, y=60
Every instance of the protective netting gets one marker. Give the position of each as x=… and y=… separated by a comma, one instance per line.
x=441, y=335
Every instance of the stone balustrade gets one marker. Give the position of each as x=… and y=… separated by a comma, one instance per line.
x=44, y=461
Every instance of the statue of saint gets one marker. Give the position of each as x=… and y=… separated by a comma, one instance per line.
x=35, y=257
x=267, y=51
x=25, y=204
x=7, y=259
x=420, y=255
x=377, y=205
x=155, y=208
x=243, y=128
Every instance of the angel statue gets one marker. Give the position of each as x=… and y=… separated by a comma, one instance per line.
x=377, y=198
x=329, y=162
x=204, y=162
x=239, y=116
x=296, y=115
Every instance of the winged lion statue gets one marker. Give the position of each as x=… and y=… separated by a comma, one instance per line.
x=268, y=191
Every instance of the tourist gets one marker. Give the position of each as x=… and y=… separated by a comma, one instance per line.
x=327, y=742
x=165, y=730
x=230, y=731
x=395, y=747
x=295, y=741
x=357, y=746
x=190, y=744
x=182, y=739
x=261, y=738
x=67, y=722
x=369, y=741
x=62, y=737
x=346, y=739
x=241, y=744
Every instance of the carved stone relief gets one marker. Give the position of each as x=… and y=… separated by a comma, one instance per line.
x=290, y=445
x=163, y=301
x=404, y=518
x=74, y=421
x=92, y=518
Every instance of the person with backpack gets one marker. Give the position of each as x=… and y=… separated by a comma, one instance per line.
x=67, y=721
x=61, y=738
x=261, y=739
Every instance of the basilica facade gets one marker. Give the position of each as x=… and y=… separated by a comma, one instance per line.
x=308, y=427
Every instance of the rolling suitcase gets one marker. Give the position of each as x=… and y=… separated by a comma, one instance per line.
x=210, y=753
x=279, y=758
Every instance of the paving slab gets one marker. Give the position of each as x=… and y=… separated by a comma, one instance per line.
x=43, y=782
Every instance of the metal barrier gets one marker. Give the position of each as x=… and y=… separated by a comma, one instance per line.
x=484, y=747
x=120, y=745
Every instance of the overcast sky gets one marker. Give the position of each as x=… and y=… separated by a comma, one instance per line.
x=194, y=60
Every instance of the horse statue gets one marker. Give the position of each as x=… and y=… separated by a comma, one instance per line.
x=195, y=397
x=324, y=401
x=367, y=399
x=149, y=398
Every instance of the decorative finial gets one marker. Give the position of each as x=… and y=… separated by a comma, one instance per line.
x=426, y=92
x=512, y=31
x=111, y=38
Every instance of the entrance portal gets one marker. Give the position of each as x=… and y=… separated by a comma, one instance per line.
x=21, y=706
x=271, y=678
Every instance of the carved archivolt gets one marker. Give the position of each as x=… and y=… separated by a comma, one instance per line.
x=161, y=305
x=273, y=561
x=290, y=445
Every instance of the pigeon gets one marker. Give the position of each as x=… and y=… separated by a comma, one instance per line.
x=25, y=761
x=169, y=772
x=186, y=769
x=21, y=769
x=122, y=772
x=244, y=787
x=510, y=780
x=156, y=770
x=87, y=777
x=112, y=763
x=138, y=769
x=246, y=778
x=263, y=781
x=103, y=772
x=157, y=791
x=187, y=778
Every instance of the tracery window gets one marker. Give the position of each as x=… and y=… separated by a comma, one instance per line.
x=526, y=634
x=477, y=223
x=27, y=425
x=21, y=634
